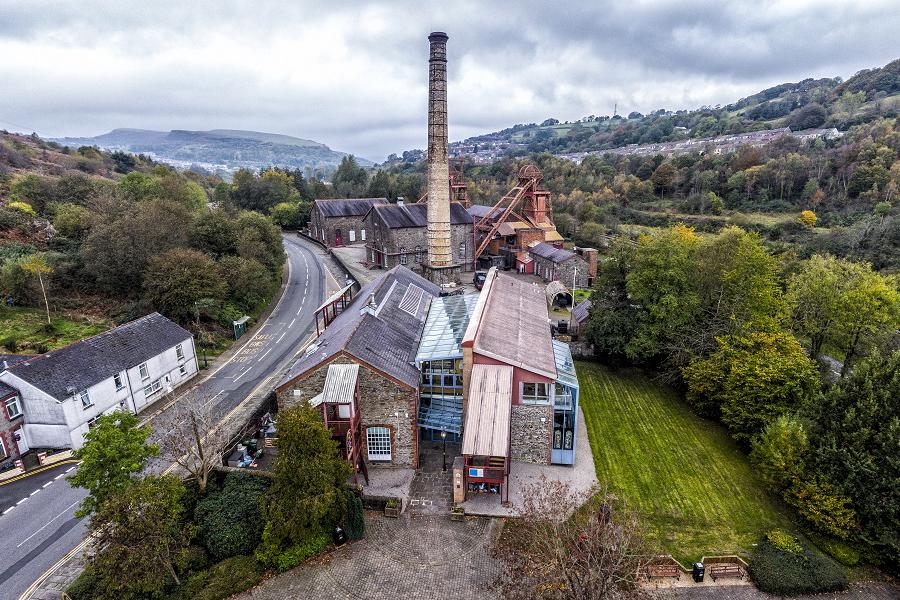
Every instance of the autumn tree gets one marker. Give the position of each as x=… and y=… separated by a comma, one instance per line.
x=38, y=267
x=192, y=439
x=175, y=280
x=570, y=544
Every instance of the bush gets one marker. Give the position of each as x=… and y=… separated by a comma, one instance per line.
x=294, y=555
x=231, y=576
x=191, y=560
x=790, y=573
x=784, y=541
x=836, y=549
x=22, y=207
x=356, y=523
x=84, y=587
x=230, y=520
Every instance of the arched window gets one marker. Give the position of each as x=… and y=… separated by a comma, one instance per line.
x=418, y=254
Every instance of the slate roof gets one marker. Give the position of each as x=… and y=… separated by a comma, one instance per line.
x=90, y=361
x=347, y=207
x=11, y=359
x=398, y=216
x=6, y=390
x=479, y=211
x=385, y=337
x=581, y=311
x=551, y=253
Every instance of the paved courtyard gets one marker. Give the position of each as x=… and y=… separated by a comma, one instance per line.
x=432, y=487
x=415, y=556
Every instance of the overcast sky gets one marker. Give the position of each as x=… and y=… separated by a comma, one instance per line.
x=354, y=74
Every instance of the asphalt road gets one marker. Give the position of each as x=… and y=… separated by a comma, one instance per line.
x=37, y=521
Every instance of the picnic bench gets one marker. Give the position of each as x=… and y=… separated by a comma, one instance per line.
x=725, y=570
x=663, y=570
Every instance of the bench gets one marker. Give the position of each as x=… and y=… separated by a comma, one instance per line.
x=666, y=570
x=725, y=570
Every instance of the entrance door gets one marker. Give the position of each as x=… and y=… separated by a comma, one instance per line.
x=338, y=238
x=563, y=437
x=21, y=443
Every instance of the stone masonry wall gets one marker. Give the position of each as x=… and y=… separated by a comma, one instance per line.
x=530, y=440
x=382, y=402
x=562, y=272
x=318, y=223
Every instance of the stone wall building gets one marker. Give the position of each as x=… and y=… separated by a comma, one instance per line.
x=379, y=331
x=397, y=236
x=339, y=222
x=557, y=264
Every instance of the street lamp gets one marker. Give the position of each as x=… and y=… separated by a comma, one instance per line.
x=444, y=439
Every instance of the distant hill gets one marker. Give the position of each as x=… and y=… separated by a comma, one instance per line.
x=811, y=103
x=219, y=149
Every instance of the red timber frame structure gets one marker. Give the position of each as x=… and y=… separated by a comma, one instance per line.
x=459, y=190
x=332, y=307
x=534, y=202
x=493, y=470
x=347, y=431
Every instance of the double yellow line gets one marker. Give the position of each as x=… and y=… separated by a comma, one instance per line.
x=38, y=470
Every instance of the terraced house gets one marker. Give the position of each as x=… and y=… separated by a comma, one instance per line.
x=62, y=392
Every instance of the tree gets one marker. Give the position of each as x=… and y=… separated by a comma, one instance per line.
x=37, y=266
x=214, y=232
x=230, y=520
x=138, y=532
x=114, y=451
x=249, y=282
x=259, y=239
x=356, y=522
x=350, y=179
x=307, y=495
x=854, y=444
x=751, y=380
x=561, y=547
x=808, y=219
x=779, y=452
x=664, y=177
x=808, y=117
x=192, y=439
x=611, y=322
x=176, y=280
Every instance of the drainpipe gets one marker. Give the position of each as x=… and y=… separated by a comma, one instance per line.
x=131, y=392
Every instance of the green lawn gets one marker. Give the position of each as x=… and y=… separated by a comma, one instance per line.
x=25, y=329
x=692, y=485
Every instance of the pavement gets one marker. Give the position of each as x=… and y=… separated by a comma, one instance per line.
x=40, y=527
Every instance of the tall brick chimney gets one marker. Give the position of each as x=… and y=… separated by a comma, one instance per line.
x=440, y=253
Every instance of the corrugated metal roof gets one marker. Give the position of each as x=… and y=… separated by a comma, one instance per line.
x=554, y=289
x=480, y=211
x=488, y=411
x=514, y=326
x=581, y=311
x=340, y=384
x=398, y=216
x=346, y=207
x=551, y=253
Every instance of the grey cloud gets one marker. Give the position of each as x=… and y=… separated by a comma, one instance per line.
x=353, y=74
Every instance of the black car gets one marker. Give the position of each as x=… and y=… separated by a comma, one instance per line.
x=479, y=279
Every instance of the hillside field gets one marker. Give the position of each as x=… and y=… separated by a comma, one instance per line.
x=24, y=330
x=693, y=487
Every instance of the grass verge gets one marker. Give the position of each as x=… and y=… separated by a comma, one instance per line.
x=689, y=481
x=25, y=331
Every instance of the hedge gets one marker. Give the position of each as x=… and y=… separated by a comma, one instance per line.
x=230, y=520
x=806, y=571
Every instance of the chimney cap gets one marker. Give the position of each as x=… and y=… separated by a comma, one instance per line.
x=438, y=36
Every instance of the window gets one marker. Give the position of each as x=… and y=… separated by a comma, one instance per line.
x=402, y=256
x=151, y=388
x=85, y=399
x=13, y=407
x=145, y=373
x=92, y=422
x=3, y=452
x=418, y=254
x=462, y=250
x=535, y=393
x=179, y=352
x=378, y=439
x=182, y=369
x=362, y=234
x=352, y=235
x=117, y=379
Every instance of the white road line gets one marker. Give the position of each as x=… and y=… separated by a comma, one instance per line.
x=47, y=484
x=264, y=355
x=33, y=493
x=8, y=509
x=242, y=374
x=292, y=323
x=22, y=500
x=281, y=337
x=70, y=469
x=208, y=402
x=48, y=523
x=58, y=476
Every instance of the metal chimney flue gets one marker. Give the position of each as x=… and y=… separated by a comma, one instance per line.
x=439, y=245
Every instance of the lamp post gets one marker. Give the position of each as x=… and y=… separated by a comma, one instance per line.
x=444, y=439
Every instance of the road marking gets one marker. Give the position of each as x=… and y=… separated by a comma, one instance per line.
x=37, y=582
x=264, y=355
x=39, y=470
x=242, y=374
x=48, y=523
x=208, y=402
x=8, y=509
x=33, y=493
x=70, y=469
x=281, y=337
x=292, y=323
x=47, y=484
x=22, y=500
x=58, y=476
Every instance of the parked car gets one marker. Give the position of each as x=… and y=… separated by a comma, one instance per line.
x=479, y=279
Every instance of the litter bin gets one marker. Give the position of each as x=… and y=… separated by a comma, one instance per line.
x=339, y=536
x=699, y=570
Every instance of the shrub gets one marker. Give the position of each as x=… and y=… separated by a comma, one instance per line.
x=356, y=523
x=192, y=559
x=838, y=550
x=784, y=541
x=22, y=207
x=224, y=579
x=230, y=520
x=84, y=587
x=11, y=343
x=778, y=572
x=823, y=506
x=296, y=554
